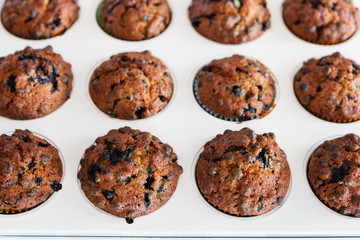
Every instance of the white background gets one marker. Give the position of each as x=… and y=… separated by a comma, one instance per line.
x=186, y=127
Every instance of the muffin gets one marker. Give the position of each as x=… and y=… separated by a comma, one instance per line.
x=321, y=22
x=243, y=174
x=230, y=22
x=129, y=173
x=131, y=85
x=33, y=19
x=333, y=172
x=30, y=171
x=329, y=88
x=235, y=88
x=134, y=20
x=33, y=83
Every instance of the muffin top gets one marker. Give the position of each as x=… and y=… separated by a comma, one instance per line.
x=333, y=173
x=235, y=88
x=33, y=83
x=230, y=22
x=242, y=173
x=131, y=86
x=134, y=20
x=39, y=19
x=329, y=88
x=129, y=173
x=321, y=21
x=30, y=171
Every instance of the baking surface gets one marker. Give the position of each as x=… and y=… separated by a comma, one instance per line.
x=183, y=125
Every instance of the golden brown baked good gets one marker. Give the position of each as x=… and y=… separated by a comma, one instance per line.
x=30, y=171
x=33, y=83
x=243, y=174
x=129, y=173
x=131, y=85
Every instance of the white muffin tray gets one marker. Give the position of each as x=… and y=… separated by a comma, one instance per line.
x=186, y=127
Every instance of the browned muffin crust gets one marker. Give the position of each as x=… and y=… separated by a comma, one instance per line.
x=230, y=21
x=30, y=171
x=131, y=86
x=242, y=173
x=329, y=88
x=39, y=19
x=321, y=21
x=333, y=173
x=129, y=173
x=235, y=88
x=134, y=20
x=33, y=83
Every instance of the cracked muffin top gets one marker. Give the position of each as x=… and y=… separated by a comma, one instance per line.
x=235, y=88
x=230, y=21
x=333, y=173
x=39, y=19
x=131, y=85
x=129, y=173
x=33, y=83
x=243, y=174
x=134, y=20
x=321, y=21
x=30, y=171
x=329, y=88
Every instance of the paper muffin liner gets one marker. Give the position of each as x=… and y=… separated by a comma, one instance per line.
x=325, y=43
x=222, y=212
x=350, y=120
x=237, y=119
x=305, y=173
x=98, y=20
x=51, y=196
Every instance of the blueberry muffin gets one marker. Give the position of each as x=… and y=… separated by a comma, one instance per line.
x=243, y=174
x=230, y=21
x=39, y=19
x=129, y=173
x=134, y=20
x=33, y=83
x=131, y=85
x=333, y=172
x=329, y=88
x=321, y=21
x=30, y=171
x=235, y=88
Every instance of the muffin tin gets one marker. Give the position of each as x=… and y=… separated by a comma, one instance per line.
x=186, y=127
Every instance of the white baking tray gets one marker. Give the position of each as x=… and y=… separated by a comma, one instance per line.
x=186, y=127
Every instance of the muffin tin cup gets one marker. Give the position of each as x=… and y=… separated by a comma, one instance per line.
x=292, y=85
x=223, y=213
x=161, y=112
x=305, y=170
x=192, y=87
x=52, y=196
x=97, y=16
